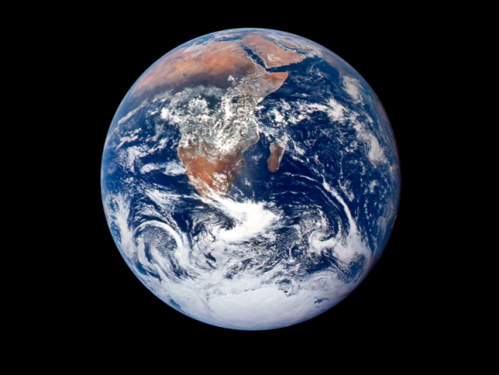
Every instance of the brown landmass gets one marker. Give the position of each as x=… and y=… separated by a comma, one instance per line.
x=288, y=43
x=329, y=58
x=213, y=63
x=276, y=153
x=263, y=83
x=271, y=54
x=208, y=176
x=208, y=169
x=209, y=64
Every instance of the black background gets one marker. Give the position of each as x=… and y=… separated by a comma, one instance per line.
x=106, y=302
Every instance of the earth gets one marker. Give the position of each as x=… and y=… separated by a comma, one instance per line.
x=250, y=179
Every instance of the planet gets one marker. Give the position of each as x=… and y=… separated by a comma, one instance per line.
x=250, y=179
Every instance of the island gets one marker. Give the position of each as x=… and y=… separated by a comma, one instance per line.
x=276, y=153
